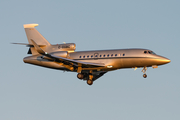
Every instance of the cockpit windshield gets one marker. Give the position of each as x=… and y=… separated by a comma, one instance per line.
x=149, y=52
x=153, y=52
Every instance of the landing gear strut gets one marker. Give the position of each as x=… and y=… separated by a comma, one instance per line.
x=90, y=80
x=144, y=71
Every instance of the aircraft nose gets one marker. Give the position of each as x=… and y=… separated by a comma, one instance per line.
x=165, y=60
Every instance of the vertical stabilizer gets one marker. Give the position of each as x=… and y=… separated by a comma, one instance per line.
x=33, y=34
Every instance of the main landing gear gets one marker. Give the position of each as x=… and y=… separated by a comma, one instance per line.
x=80, y=76
x=90, y=80
x=87, y=77
x=144, y=71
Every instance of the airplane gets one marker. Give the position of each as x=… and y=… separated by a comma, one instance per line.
x=89, y=65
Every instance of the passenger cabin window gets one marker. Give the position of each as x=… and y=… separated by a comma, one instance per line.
x=79, y=56
x=100, y=55
x=123, y=54
x=115, y=55
x=91, y=56
x=88, y=56
x=104, y=55
x=111, y=55
x=84, y=56
x=108, y=55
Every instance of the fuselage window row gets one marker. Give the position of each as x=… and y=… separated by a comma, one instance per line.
x=96, y=56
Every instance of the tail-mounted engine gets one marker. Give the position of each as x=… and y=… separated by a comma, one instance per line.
x=60, y=54
x=67, y=47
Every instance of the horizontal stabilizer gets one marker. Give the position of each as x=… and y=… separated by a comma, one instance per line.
x=30, y=25
x=28, y=45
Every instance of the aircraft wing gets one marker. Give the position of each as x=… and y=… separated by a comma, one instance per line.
x=66, y=61
x=76, y=62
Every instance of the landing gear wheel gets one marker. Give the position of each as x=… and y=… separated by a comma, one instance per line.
x=144, y=75
x=89, y=82
x=80, y=76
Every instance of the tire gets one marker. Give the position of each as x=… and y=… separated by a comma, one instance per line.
x=144, y=75
x=89, y=82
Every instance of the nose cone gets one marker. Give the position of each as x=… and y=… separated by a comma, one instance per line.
x=164, y=60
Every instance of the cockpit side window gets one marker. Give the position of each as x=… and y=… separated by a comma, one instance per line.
x=149, y=52
x=153, y=53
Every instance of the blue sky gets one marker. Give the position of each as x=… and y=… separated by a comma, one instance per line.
x=34, y=93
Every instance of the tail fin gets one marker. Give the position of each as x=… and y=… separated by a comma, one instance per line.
x=33, y=34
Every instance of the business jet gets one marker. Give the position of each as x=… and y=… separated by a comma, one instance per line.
x=89, y=65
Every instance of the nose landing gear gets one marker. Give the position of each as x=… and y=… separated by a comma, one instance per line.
x=144, y=75
x=144, y=71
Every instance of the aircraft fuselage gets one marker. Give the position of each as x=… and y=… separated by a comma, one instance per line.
x=90, y=65
x=112, y=59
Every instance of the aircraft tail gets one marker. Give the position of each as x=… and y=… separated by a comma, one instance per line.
x=33, y=34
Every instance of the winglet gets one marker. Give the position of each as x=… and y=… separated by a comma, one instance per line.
x=39, y=50
x=30, y=25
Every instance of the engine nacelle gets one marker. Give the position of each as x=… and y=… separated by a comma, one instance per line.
x=60, y=54
x=67, y=47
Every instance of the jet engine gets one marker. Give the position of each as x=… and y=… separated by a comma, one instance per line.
x=60, y=54
x=67, y=47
